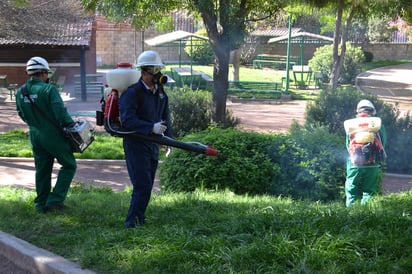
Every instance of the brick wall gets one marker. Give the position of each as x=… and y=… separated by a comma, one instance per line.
x=121, y=43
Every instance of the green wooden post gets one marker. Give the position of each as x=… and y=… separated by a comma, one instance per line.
x=180, y=53
x=288, y=55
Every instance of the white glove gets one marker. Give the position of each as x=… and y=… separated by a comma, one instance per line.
x=168, y=151
x=159, y=128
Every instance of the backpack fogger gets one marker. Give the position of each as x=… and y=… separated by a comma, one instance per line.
x=365, y=146
x=118, y=80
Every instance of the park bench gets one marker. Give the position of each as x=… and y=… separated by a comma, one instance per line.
x=91, y=87
x=13, y=90
x=60, y=82
x=170, y=81
x=275, y=61
x=208, y=82
x=241, y=87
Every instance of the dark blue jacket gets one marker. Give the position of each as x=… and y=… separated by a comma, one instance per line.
x=140, y=109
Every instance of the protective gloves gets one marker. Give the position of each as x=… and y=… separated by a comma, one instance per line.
x=168, y=151
x=159, y=128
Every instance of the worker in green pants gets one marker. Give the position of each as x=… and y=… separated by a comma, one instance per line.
x=366, y=153
x=47, y=142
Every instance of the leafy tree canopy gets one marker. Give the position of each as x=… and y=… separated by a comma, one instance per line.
x=226, y=22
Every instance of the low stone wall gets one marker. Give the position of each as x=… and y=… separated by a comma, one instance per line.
x=389, y=51
x=380, y=51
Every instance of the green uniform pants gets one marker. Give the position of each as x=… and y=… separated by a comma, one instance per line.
x=361, y=182
x=46, y=149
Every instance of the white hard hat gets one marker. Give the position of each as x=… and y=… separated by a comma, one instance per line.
x=149, y=58
x=366, y=106
x=37, y=64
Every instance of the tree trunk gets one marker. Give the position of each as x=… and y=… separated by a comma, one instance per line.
x=221, y=66
x=235, y=54
x=334, y=77
x=220, y=85
x=339, y=56
x=344, y=38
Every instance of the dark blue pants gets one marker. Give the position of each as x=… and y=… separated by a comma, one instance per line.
x=142, y=162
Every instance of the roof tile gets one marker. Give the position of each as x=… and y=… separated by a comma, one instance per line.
x=34, y=25
x=274, y=32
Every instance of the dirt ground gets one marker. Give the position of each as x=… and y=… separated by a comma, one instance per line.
x=268, y=116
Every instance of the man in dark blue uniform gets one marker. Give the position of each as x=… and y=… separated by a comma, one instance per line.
x=143, y=109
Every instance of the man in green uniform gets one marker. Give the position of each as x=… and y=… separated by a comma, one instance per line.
x=362, y=175
x=47, y=142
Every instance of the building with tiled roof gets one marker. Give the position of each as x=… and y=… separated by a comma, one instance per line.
x=57, y=30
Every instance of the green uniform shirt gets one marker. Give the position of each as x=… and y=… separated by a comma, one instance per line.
x=46, y=97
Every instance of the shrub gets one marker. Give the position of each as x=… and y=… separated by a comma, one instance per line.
x=368, y=56
x=192, y=111
x=330, y=109
x=323, y=60
x=379, y=29
x=307, y=165
x=200, y=50
x=242, y=165
x=323, y=163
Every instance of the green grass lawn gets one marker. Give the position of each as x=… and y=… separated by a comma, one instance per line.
x=249, y=74
x=217, y=232
x=15, y=143
x=245, y=73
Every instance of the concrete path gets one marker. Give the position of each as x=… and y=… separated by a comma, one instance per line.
x=393, y=84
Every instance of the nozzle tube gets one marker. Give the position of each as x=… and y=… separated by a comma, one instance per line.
x=167, y=141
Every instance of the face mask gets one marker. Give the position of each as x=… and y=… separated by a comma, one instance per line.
x=159, y=78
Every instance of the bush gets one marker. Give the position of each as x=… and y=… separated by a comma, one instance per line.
x=368, y=56
x=331, y=109
x=200, y=50
x=192, y=111
x=307, y=165
x=323, y=164
x=323, y=60
x=242, y=165
x=379, y=30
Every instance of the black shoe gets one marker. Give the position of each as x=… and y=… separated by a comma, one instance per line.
x=129, y=225
x=134, y=224
x=56, y=207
